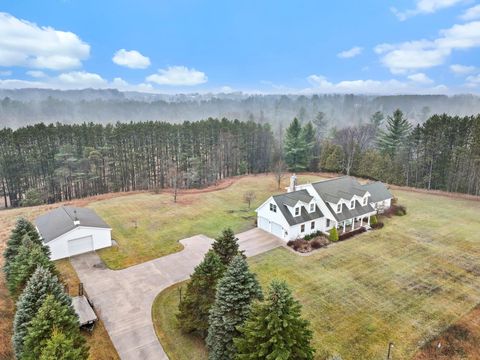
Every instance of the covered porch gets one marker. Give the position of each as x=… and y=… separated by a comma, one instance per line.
x=354, y=223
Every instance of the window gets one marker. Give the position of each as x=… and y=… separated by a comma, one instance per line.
x=302, y=228
x=328, y=222
x=352, y=204
x=312, y=225
x=312, y=207
x=365, y=201
x=273, y=207
x=297, y=211
x=339, y=208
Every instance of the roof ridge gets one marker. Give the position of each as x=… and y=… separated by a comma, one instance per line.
x=335, y=178
x=64, y=208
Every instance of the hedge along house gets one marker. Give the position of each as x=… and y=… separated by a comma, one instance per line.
x=341, y=202
x=70, y=231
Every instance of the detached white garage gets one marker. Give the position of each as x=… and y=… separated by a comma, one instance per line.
x=70, y=231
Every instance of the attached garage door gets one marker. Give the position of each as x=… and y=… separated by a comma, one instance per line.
x=80, y=245
x=277, y=230
x=263, y=224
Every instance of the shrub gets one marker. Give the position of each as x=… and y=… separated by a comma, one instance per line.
x=350, y=234
x=313, y=235
x=319, y=242
x=377, y=225
x=400, y=210
x=373, y=220
x=333, y=235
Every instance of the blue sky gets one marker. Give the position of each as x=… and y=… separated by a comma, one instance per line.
x=410, y=46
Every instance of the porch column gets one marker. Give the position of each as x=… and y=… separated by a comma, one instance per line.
x=344, y=226
x=353, y=224
x=369, y=221
x=361, y=221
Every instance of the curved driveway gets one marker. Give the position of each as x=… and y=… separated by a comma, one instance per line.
x=123, y=299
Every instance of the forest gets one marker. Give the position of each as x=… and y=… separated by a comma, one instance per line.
x=51, y=163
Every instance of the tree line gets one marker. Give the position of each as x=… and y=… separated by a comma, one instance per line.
x=443, y=153
x=46, y=164
x=45, y=325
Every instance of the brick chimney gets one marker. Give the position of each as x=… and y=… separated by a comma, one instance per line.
x=293, y=183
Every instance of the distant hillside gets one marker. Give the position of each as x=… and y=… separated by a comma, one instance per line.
x=29, y=106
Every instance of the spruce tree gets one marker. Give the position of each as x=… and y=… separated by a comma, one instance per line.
x=398, y=128
x=29, y=256
x=61, y=346
x=296, y=148
x=226, y=246
x=40, y=284
x=308, y=133
x=274, y=330
x=52, y=314
x=235, y=292
x=199, y=297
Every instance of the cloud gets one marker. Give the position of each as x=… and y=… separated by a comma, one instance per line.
x=471, y=13
x=26, y=44
x=425, y=7
x=473, y=81
x=131, y=59
x=82, y=79
x=357, y=50
x=420, y=78
x=462, y=69
x=5, y=73
x=320, y=84
x=178, y=75
x=424, y=54
x=36, y=74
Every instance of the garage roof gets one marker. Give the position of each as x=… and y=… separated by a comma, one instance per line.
x=61, y=220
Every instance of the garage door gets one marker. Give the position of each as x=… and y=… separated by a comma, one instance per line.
x=80, y=245
x=263, y=224
x=277, y=230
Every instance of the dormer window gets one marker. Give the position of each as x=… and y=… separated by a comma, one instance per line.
x=273, y=207
x=365, y=201
x=297, y=211
x=352, y=204
x=312, y=207
x=339, y=208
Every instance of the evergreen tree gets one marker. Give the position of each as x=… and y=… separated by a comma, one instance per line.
x=235, y=292
x=200, y=294
x=398, y=128
x=308, y=133
x=226, y=246
x=22, y=228
x=40, y=284
x=30, y=255
x=295, y=147
x=52, y=314
x=61, y=346
x=274, y=330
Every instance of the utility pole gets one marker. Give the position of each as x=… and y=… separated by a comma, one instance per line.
x=390, y=347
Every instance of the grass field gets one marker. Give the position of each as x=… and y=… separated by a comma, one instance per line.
x=405, y=283
x=147, y=226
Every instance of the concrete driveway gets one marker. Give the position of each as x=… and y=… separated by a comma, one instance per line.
x=123, y=299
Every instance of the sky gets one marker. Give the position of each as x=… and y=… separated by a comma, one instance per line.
x=267, y=46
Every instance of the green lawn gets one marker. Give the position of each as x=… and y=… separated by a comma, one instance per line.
x=147, y=226
x=403, y=283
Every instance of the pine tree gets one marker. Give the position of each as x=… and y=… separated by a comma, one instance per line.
x=226, y=246
x=52, y=314
x=22, y=228
x=29, y=256
x=235, y=292
x=398, y=128
x=308, y=133
x=274, y=330
x=40, y=284
x=295, y=147
x=200, y=294
x=61, y=346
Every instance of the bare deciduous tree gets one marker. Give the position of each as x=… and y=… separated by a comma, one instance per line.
x=248, y=197
x=279, y=171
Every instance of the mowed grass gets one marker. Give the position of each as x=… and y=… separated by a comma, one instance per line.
x=147, y=226
x=404, y=283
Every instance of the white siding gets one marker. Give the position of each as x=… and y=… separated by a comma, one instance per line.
x=59, y=247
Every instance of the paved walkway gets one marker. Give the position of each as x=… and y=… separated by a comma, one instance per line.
x=123, y=299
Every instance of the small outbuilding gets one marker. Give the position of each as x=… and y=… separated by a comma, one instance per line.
x=70, y=231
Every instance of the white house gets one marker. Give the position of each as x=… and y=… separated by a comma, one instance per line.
x=70, y=231
x=342, y=202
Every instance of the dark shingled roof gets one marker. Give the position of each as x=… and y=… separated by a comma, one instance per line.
x=347, y=213
x=291, y=199
x=61, y=220
x=338, y=188
x=378, y=191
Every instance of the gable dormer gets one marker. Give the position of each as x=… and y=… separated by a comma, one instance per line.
x=311, y=207
x=352, y=204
